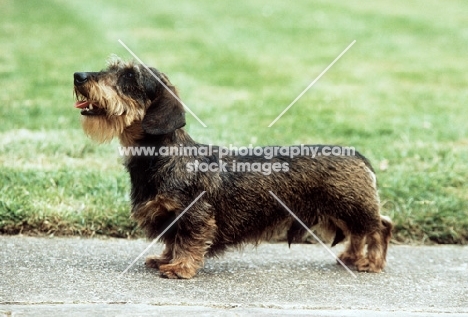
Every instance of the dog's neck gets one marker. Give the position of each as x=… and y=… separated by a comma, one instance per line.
x=131, y=134
x=174, y=138
x=142, y=168
x=135, y=136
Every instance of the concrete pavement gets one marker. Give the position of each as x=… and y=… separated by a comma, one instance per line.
x=82, y=277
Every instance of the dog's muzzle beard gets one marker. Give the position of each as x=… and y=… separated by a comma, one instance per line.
x=106, y=112
x=88, y=107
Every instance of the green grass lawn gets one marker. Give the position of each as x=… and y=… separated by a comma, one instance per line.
x=398, y=96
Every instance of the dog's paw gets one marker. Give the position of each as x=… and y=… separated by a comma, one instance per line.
x=177, y=270
x=346, y=258
x=154, y=261
x=365, y=265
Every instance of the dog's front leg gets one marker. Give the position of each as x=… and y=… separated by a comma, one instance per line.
x=154, y=216
x=195, y=233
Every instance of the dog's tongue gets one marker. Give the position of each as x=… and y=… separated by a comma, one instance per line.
x=81, y=104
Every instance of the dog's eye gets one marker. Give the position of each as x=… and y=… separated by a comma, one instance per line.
x=129, y=75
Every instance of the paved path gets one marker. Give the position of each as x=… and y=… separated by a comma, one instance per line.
x=81, y=277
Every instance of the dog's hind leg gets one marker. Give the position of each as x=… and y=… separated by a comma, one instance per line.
x=377, y=244
x=354, y=250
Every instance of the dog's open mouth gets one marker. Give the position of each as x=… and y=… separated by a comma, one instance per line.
x=88, y=108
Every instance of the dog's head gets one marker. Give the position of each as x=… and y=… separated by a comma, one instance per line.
x=127, y=98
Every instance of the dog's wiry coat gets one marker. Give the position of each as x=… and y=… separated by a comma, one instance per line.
x=335, y=194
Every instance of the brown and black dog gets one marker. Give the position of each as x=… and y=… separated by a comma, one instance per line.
x=336, y=194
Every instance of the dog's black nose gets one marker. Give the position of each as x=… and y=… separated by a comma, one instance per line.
x=80, y=78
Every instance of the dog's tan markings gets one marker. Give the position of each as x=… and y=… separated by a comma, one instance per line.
x=161, y=207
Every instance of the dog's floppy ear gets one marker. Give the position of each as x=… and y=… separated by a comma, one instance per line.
x=164, y=115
